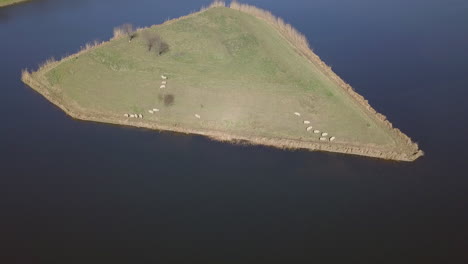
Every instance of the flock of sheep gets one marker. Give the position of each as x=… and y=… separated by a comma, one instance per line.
x=133, y=115
x=155, y=110
x=323, y=135
x=163, y=82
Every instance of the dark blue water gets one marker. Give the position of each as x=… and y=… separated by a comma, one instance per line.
x=78, y=192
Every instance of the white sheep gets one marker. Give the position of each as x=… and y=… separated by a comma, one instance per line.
x=162, y=86
x=150, y=111
x=309, y=128
x=298, y=114
x=306, y=122
x=140, y=116
x=324, y=134
x=323, y=139
x=155, y=110
x=164, y=77
x=132, y=116
x=332, y=138
x=163, y=82
x=316, y=131
x=197, y=116
x=126, y=115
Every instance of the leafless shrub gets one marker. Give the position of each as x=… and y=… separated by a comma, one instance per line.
x=125, y=30
x=163, y=47
x=155, y=42
x=152, y=39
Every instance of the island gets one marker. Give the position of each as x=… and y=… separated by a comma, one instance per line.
x=232, y=73
x=10, y=2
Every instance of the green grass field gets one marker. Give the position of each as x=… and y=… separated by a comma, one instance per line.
x=234, y=70
x=10, y=2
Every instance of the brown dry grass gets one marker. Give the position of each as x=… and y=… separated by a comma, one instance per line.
x=216, y=3
x=118, y=32
x=52, y=62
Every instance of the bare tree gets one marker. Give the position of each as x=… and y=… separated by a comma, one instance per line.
x=152, y=39
x=155, y=42
x=126, y=29
x=163, y=47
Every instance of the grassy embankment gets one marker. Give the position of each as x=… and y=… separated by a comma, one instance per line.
x=242, y=70
x=10, y=2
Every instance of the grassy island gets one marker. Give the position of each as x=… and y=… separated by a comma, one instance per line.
x=234, y=74
x=10, y=2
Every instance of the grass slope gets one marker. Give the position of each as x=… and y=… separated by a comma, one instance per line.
x=10, y=2
x=236, y=71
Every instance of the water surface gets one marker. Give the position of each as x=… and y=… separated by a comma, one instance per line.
x=79, y=192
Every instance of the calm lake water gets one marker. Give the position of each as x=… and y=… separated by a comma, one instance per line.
x=78, y=192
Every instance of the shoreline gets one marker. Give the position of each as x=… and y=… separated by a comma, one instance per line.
x=12, y=3
x=411, y=152
x=313, y=58
x=226, y=137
